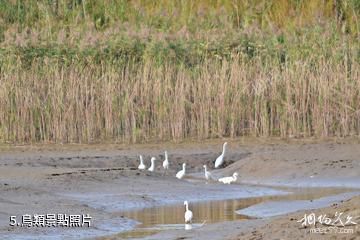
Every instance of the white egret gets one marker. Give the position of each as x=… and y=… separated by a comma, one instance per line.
x=180, y=174
x=166, y=161
x=228, y=180
x=152, y=166
x=188, y=213
x=207, y=173
x=141, y=165
x=220, y=160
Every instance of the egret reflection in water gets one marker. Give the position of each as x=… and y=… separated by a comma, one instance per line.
x=188, y=226
x=169, y=217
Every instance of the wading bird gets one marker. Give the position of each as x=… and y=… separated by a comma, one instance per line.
x=228, y=180
x=166, y=162
x=188, y=213
x=141, y=165
x=207, y=174
x=220, y=160
x=180, y=174
x=152, y=166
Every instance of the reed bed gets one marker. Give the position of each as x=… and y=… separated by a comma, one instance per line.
x=139, y=71
x=137, y=101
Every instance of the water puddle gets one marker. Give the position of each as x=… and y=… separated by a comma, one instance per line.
x=156, y=219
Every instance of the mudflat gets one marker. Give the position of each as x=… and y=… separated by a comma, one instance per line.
x=104, y=182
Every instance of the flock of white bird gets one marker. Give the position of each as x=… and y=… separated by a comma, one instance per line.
x=180, y=174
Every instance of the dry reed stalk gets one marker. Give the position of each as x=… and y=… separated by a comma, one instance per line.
x=136, y=102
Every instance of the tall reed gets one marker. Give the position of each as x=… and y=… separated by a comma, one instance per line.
x=48, y=100
x=135, y=71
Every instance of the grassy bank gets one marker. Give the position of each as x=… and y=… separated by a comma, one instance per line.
x=80, y=71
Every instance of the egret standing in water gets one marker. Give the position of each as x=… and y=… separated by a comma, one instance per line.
x=207, y=174
x=180, y=174
x=188, y=213
x=220, y=160
x=228, y=180
x=152, y=166
x=166, y=162
x=141, y=165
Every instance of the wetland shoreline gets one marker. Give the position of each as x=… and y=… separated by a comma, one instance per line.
x=103, y=180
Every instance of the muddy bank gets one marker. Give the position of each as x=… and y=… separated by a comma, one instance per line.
x=102, y=180
x=276, y=208
x=290, y=226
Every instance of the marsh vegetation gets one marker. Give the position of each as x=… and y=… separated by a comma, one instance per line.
x=137, y=71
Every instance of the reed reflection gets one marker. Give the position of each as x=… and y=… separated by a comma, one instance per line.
x=161, y=218
x=216, y=211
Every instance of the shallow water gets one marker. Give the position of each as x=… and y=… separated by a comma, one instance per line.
x=168, y=217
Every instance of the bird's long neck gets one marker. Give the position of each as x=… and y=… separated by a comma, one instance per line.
x=152, y=163
x=205, y=169
x=184, y=168
x=235, y=178
x=224, y=147
x=187, y=206
x=141, y=161
x=166, y=156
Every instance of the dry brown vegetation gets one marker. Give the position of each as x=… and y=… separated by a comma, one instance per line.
x=132, y=77
x=142, y=101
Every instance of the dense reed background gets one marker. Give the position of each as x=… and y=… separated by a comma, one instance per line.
x=136, y=71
